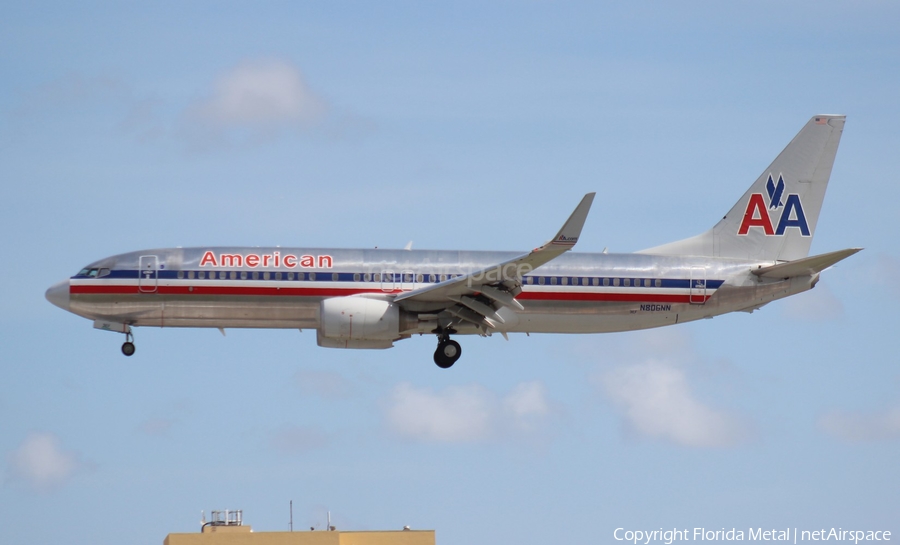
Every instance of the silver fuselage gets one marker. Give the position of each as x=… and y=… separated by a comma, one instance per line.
x=245, y=287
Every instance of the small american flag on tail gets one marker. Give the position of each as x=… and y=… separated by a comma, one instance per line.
x=821, y=120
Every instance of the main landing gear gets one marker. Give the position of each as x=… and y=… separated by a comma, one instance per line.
x=128, y=345
x=448, y=351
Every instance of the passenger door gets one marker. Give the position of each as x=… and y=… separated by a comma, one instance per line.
x=148, y=275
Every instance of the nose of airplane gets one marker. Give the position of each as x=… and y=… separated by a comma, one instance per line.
x=58, y=294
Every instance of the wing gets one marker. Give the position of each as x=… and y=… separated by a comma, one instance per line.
x=476, y=297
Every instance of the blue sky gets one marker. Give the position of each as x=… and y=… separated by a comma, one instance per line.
x=461, y=126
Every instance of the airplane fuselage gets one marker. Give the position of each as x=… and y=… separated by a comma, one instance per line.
x=575, y=293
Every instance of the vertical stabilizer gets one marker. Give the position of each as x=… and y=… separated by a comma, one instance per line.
x=776, y=218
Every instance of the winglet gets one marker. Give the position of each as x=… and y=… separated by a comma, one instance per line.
x=511, y=270
x=571, y=230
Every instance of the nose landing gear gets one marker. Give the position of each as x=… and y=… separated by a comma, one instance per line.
x=128, y=346
x=448, y=351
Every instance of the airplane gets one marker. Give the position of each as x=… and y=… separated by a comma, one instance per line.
x=371, y=298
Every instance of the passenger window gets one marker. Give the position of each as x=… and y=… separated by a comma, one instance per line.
x=256, y=275
x=443, y=277
x=243, y=275
x=233, y=275
x=180, y=274
x=420, y=278
x=267, y=275
x=565, y=280
x=541, y=280
x=191, y=275
x=529, y=280
x=367, y=277
x=377, y=277
x=606, y=281
x=615, y=281
x=334, y=277
x=356, y=277
x=312, y=276
x=431, y=278
x=553, y=280
x=657, y=282
x=278, y=275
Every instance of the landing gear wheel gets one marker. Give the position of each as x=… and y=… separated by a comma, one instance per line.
x=448, y=351
x=128, y=348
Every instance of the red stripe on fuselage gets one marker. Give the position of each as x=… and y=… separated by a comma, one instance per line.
x=222, y=290
x=339, y=292
x=614, y=297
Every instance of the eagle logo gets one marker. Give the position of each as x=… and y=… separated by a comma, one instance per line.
x=775, y=192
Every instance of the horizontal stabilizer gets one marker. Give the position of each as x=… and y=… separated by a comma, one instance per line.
x=806, y=266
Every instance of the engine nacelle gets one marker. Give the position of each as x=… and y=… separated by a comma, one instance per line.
x=358, y=321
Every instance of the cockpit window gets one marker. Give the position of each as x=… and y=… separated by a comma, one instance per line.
x=103, y=272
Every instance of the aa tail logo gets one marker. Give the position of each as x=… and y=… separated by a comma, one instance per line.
x=757, y=213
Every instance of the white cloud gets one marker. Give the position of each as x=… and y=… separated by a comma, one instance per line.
x=650, y=388
x=856, y=427
x=656, y=401
x=526, y=405
x=458, y=414
x=818, y=304
x=41, y=462
x=465, y=414
x=263, y=95
x=299, y=439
